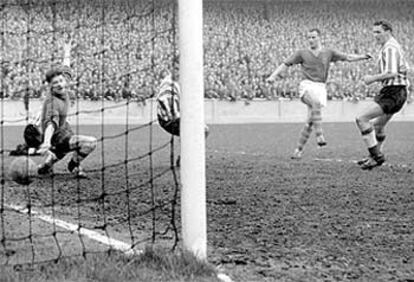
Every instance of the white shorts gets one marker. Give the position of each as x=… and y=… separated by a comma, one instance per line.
x=315, y=92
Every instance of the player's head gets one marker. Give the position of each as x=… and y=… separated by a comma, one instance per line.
x=58, y=79
x=314, y=38
x=382, y=31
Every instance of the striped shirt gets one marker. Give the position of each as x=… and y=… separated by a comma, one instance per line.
x=392, y=60
x=168, y=103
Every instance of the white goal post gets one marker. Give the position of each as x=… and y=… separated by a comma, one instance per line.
x=193, y=193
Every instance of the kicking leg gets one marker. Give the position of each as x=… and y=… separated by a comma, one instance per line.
x=304, y=136
x=316, y=117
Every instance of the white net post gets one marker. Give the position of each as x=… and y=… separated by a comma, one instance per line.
x=193, y=194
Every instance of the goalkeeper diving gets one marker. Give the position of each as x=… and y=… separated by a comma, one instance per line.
x=50, y=134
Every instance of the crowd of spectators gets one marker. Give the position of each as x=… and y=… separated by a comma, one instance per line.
x=121, y=46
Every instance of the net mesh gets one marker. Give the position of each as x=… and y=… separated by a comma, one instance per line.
x=130, y=197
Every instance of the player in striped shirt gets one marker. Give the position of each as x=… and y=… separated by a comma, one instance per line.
x=168, y=106
x=392, y=74
x=315, y=62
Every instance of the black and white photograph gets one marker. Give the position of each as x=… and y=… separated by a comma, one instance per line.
x=207, y=140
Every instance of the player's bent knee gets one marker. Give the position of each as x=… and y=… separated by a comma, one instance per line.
x=93, y=143
x=359, y=122
x=88, y=145
x=363, y=124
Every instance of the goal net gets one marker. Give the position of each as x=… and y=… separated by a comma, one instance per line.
x=130, y=198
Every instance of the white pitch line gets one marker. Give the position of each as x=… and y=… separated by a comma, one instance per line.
x=335, y=160
x=114, y=243
x=243, y=153
x=106, y=240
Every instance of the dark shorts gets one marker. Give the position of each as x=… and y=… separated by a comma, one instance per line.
x=391, y=98
x=172, y=127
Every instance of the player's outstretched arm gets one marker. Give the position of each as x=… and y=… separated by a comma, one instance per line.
x=358, y=57
x=67, y=46
x=278, y=73
x=340, y=56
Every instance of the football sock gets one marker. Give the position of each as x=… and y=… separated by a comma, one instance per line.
x=304, y=135
x=77, y=157
x=380, y=139
x=374, y=151
x=370, y=140
x=316, y=118
x=72, y=165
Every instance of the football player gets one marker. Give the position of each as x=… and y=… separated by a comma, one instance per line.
x=315, y=63
x=168, y=106
x=58, y=138
x=392, y=74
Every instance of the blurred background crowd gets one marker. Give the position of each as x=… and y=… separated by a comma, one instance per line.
x=120, y=46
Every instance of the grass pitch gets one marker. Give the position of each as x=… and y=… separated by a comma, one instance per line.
x=270, y=218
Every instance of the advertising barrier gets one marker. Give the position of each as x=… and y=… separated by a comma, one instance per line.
x=216, y=111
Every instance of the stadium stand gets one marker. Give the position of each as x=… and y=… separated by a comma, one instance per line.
x=244, y=41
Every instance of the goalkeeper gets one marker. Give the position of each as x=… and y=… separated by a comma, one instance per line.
x=168, y=106
x=53, y=137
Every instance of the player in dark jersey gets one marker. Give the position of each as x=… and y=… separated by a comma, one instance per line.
x=392, y=74
x=58, y=137
x=315, y=62
x=168, y=106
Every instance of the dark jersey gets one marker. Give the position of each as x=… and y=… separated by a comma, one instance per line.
x=315, y=67
x=55, y=110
